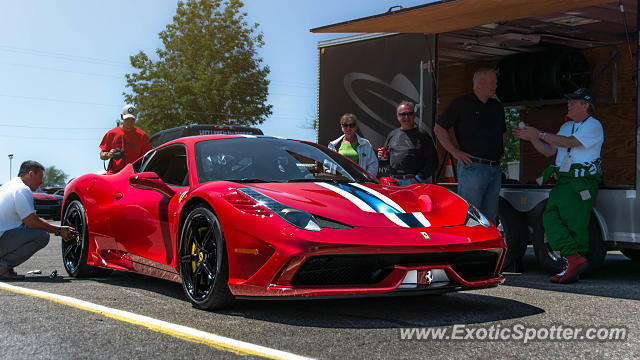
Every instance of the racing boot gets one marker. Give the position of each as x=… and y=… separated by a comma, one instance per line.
x=576, y=265
x=556, y=277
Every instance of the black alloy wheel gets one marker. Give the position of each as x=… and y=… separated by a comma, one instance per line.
x=203, y=261
x=550, y=260
x=75, y=251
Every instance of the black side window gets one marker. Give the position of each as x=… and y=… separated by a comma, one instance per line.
x=170, y=163
x=138, y=164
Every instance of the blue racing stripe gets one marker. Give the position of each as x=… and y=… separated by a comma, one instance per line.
x=377, y=204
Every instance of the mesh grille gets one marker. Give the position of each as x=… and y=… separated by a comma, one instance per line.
x=371, y=269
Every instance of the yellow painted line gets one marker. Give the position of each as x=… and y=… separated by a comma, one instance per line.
x=179, y=331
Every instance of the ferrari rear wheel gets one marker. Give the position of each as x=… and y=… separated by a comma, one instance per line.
x=204, y=266
x=75, y=251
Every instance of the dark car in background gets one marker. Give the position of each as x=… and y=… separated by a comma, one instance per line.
x=52, y=189
x=48, y=206
x=167, y=135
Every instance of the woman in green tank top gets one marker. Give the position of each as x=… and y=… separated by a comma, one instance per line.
x=354, y=147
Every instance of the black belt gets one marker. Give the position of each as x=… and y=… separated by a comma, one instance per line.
x=485, y=161
x=405, y=176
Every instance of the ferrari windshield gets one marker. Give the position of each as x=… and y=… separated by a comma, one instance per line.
x=265, y=159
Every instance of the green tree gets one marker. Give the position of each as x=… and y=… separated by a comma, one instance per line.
x=512, y=149
x=207, y=72
x=53, y=177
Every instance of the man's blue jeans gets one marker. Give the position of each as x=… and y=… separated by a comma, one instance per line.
x=480, y=184
x=19, y=244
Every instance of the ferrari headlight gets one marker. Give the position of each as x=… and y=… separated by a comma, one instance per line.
x=296, y=217
x=299, y=218
x=475, y=217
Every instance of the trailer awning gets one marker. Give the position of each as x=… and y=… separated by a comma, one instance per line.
x=452, y=15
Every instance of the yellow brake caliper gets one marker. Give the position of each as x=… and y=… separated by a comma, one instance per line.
x=194, y=264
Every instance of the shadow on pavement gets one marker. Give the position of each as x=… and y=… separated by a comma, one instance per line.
x=137, y=281
x=387, y=312
x=368, y=312
x=618, y=277
x=44, y=279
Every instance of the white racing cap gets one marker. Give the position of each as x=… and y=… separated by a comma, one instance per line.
x=129, y=111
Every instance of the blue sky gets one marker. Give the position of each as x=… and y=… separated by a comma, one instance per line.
x=62, y=67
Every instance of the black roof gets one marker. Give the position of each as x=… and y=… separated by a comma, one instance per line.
x=167, y=135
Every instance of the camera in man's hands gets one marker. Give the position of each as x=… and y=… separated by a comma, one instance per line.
x=118, y=154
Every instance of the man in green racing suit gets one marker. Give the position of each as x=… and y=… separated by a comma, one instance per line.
x=577, y=147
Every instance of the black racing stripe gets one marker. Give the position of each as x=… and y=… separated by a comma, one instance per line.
x=410, y=220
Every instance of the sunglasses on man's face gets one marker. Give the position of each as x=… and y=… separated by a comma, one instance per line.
x=408, y=113
x=350, y=125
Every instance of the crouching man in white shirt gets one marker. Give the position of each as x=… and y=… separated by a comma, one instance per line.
x=22, y=232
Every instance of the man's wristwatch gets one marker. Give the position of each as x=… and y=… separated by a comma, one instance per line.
x=57, y=233
x=542, y=135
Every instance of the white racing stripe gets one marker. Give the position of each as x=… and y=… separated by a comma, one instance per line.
x=380, y=196
x=423, y=220
x=179, y=331
x=354, y=199
x=395, y=219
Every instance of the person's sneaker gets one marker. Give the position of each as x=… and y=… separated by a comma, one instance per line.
x=556, y=277
x=576, y=265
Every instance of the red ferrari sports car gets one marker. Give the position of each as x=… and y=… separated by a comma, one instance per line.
x=242, y=216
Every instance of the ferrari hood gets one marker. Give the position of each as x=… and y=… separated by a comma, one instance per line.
x=372, y=205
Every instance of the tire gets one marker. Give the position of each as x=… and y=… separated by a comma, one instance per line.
x=204, y=266
x=597, y=247
x=513, y=227
x=633, y=254
x=551, y=261
x=75, y=252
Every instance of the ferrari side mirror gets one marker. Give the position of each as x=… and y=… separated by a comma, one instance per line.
x=150, y=181
x=388, y=181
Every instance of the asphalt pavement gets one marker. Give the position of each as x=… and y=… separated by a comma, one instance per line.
x=473, y=322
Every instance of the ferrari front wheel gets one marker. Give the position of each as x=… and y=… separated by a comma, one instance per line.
x=204, y=266
x=76, y=251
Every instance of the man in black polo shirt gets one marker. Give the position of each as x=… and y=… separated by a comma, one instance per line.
x=412, y=154
x=481, y=132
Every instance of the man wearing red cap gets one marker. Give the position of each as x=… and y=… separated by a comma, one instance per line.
x=577, y=169
x=124, y=144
